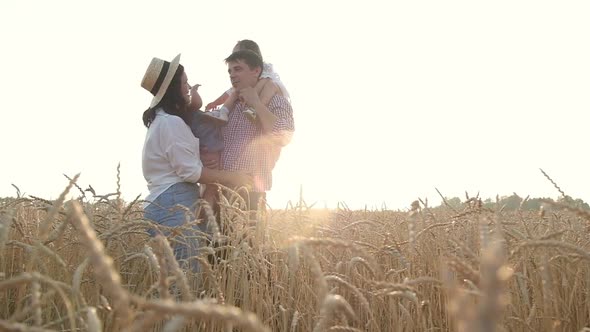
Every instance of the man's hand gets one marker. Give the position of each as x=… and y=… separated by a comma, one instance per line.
x=249, y=96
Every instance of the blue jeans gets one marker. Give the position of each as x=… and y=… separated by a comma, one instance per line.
x=163, y=211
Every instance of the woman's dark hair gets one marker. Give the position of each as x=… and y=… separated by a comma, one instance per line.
x=172, y=102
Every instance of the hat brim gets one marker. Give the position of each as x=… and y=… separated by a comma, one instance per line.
x=167, y=80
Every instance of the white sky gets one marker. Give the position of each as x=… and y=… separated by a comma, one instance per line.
x=391, y=98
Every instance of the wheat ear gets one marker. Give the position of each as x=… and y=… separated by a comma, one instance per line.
x=203, y=310
x=333, y=303
x=106, y=275
x=174, y=267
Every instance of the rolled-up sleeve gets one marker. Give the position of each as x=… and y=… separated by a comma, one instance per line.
x=184, y=163
x=284, y=127
x=182, y=151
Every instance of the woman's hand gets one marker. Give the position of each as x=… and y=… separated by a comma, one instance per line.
x=227, y=178
x=209, y=159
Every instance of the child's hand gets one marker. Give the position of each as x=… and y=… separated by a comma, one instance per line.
x=219, y=101
x=211, y=106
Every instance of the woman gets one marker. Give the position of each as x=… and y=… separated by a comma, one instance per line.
x=171, y=160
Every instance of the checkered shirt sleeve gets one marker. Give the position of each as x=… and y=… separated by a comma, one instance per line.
x=248, y=149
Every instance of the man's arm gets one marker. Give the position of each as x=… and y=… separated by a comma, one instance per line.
x=276, y=119
x=285, y=125
x=266, y=117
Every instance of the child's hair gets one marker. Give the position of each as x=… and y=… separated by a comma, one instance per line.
x=251, y=45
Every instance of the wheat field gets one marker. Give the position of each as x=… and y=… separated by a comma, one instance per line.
x=87, y=264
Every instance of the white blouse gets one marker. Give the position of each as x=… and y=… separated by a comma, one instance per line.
x=170, y=154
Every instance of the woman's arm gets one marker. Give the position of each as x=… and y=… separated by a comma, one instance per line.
x=232, y=179
x=182, y=152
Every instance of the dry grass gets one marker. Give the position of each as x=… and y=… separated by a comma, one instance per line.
x=90, y=266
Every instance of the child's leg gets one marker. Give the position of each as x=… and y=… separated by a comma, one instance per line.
x=210, y=193
x=266, y=89
x=211, y=197
x=231, y=100
x=227, y=106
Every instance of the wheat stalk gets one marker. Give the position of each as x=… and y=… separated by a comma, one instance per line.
x=173, y=266
x=205, y=311
x=18, y=327
x=94, y=323
x=331, y=305
x=103, y=264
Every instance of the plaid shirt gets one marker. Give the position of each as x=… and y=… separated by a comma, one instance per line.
x=248, y=149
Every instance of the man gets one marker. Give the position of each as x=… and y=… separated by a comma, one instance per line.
x=254, y=145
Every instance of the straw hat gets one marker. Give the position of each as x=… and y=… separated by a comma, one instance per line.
x=158, y=76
